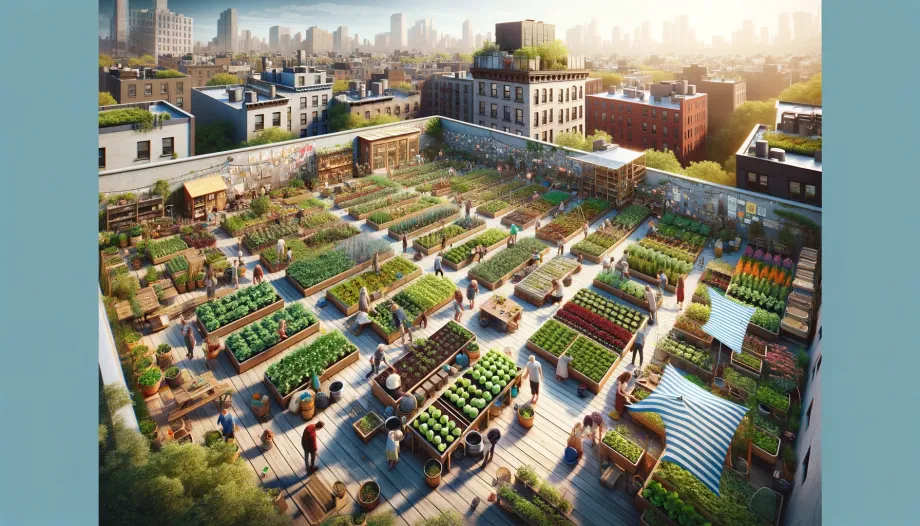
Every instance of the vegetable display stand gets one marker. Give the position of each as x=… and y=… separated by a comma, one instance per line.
x=502, y=280
x=242, y=322
x=469, y=261
x=329, y=372
x=274, y=350
x=508, y=313
x=641, y=303
x=608, y=453
x=419, y=231
x=633, y=273
x=434, y=249
x=348, y=311
x=357, y=269
x=367, y=427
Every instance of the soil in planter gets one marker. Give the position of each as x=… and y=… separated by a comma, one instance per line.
x=369, y=493
x=418, y=364
x=432, y=468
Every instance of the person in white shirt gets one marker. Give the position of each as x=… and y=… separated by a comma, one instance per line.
x=562, y=368
x=534, y=371
x=279, y=248
x=393, y=440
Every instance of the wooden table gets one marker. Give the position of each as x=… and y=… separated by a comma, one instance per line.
x=196, y=393
x=502, y=312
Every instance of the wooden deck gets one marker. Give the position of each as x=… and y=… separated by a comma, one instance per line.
x=344, y=457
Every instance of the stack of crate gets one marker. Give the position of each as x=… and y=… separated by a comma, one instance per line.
x=802, y=308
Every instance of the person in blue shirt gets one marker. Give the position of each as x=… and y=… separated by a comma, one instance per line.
x=226, y=423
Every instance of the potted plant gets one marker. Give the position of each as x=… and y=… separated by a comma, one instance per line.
x=278, y=498
x=338, y=488
x=212, y=348
x=359, y=519
x=525, y=416
x=789, y=462
x=190, y=281
x=149, y=381
x=472, y=351
x=149, y=429
x=335, y=391
x=132, y=339
x=135, y=262
x=433, y=469
x=199, y=280
x=180, y=282
x=369, y=495
x=123, y=240
x=268, y=439
x=164, y=356
x=173, y=376
x=137, y=234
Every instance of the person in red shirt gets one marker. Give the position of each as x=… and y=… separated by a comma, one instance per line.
x=310, y=445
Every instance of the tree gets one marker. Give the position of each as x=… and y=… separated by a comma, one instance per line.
x=466, y=57
x=575, y=141
x=405, y=86
x=339, y=86
x=553, y=54
x=709, y=171
x=268, y=136
x=106, y=61
x=223, y=79
x=487, y=47
x=106, y=99
x=143, y=60
x=527, y=52
x=728, y=140
x=664, y=161
x=169, y=74
x=808, y=92
x=213, y=137
x=608, y=78
x=160, y=187
x=260, y=205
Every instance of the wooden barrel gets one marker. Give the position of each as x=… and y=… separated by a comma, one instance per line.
x=308, y=406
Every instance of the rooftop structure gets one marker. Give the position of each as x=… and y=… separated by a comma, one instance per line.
x=130, y=85
x=143, y=133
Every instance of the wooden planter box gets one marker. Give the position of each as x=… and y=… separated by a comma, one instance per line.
x=770, y=457
x=595, y=387
x=242, y=322
x=391, y=337
x=375, y=227
x=623, y=296
x=546, y=355
x=501, y=281
x=495, y=215
x=643, y=419
x=604, y=254
x=762, y=333
x=689, y=338
x=164, y=259
x=688, y=366
x=384, y=397
x=579, y=232
x=700, y=300
x=357, y=269
x=261, y=224
x=272, y=267
x=653, y=281
x=744, y=369
x=348, y=311
x=435, y=248
x=365, y=215
x=260, y=248
x=283, y=345
x=332, y=370
x=469, y=260
x=525, y=226
x=372, y=433
x=447, y=220
x=608, y=453
x=539, y=301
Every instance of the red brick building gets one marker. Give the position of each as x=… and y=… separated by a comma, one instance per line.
x=669, y=116
x=594, y=85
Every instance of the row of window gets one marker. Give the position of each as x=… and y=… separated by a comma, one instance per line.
x=761, y=183
x=549, y=137
x=148, y=89
x=143, y=151
x=564, y=94
x=314, y=100
x=627, y=108
x=504, y=128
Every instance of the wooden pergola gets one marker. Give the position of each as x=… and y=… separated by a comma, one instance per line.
x=611, y=174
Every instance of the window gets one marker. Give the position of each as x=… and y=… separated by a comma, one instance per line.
x=482, y=107
x=550, y=115
x=581, y=92
x=795, y=190
x=536, y=136
x=276, y=118
x=629, y=108
x=764, y=183
x=303, y=133
x=143, y=151
x=493, y=111
x=805, y=462
x=568, y=95
x=644, y=126
x=544, y=115
x=536, y=96
x=164, y=88
x=629, y=122
x=313, y=118
x=550, y=95
x=551, y=136
x=303, y=102
x=810, y=193
x=561, y=120
x=519, y=94
x=259, y=122
x=654, y=129
x=676, y=134
x=415, y=106
x=654, y=113
x=367, y=115
x=180, y=87
x=544, y=136
x=325, y=114
x=664, y=131
x=506, y=113
x=677, y=118
x=132, y=90
x=664, y=146
x=168, y=146
x=519, y=116
x=581, y=112
x=303, y=119
x=604, y=117
x=560, y=95
x=506, y=91
x=536, y=118
x=629, y=135
x=811, y=406
x=645, y=112
x=315, y=101
x=482, y=88
x=301, y=80
x=664, y=115
x=389, y=111
x=644, y=140
x=317, y=79
x=325, y=99
x=180, y=102
x=494, y=89
x=101, y=157
x=148, y=90
x=544, y=95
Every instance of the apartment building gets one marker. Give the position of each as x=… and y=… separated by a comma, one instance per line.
x=516, y=95
x=449, y=95
x=143, y=85
x=126, y=142
x=724, y=94
x=160, y=32
x=380, y=100
x=669, y=116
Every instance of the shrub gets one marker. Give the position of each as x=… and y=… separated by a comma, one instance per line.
x=260, y=205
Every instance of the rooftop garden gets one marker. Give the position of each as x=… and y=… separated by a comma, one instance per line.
x=169, y=74
x=142, y=118
x=793, y=143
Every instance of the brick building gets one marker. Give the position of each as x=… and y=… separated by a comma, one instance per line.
x=449, y=95
x=724, y=94
x=669, y=116
x=594, y=85
x=142, y=85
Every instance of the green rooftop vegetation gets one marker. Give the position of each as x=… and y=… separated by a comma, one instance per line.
x=793, y=143
x=169, y=74
x=143, y=118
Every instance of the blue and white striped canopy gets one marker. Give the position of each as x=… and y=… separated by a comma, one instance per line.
x=699, y=425
x=728, y=321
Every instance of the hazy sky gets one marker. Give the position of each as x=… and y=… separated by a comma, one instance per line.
x=367, y=17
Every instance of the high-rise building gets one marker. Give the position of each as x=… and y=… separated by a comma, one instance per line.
x=398, y=31
x=159, y=32
x=422, y=36
x=297, y=41
x=511, y=36
x=245, y=41
x=318, y=40
x=489, y=36
x=119, y=28
x=783, y=33
x=478, y=43
x=467, y=42
x=764, y=37
x=803, y=26
x=381, y=42
x=575, y=39
x=340, y=41
x=274, y=36
x=226, y=31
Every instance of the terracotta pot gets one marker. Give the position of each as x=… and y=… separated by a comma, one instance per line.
x=123, y=244
x=192, y=285
x=200, y=283
x=281, y=504
x=136, y=239
x=164, y=360
x=175, y=382
x=368, y=505
x=181, y=288
x=152, y=390
x=136, y=263
x=338, y=488
x=433, y=481
x=212, y=352
x=525, y=422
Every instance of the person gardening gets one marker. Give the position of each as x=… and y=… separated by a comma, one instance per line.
x=401, y=322
x=227, y=424
x=514, y=232
x=438, y=270
x=311, y=445
x=662, y=282
x=652, y=305
x=393, y=440
x=494, y=435
x=189, y=336
x=378, y=358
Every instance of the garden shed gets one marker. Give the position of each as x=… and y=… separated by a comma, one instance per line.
x=388, y=148
x=203, y=195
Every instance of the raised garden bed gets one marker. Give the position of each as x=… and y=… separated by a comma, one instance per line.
x=439, y=434
x=407, y=210
x=747, y=364
x=259, y=342
x=527, y=215
x=225, y=315
x=362, y=211
x=692, y=331
x=592, y=364
x=266, y=237
x=570, y=224
x=535, y=288
x=620, y=287
x=428, y=295
x=474, y=393
x=778, y=402
x=430, y=220
x=597, y=327
x=243, y=223
x=458, y=257
x=493, y=273
x=622, y=315
x=319, y=269
x=435, y=241
x=551, y=340
x=163, y=249
x=601, y=243
x=622, y=451
x=324, y=357
x=393, y=274
x=765, y=446
x=687, y=357
x=368, y=426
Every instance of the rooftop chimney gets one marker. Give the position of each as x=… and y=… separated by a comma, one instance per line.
x=779, y=154
x=762, y=149
x=272, y=91
x=818, y=156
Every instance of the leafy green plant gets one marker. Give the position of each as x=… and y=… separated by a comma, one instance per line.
x=672, y=505
x=150, y=377
x=700, y=358
x=771, y=398
x=623, y=445
x=158, y=248
x=730, y=507
x=507, y=260
x=590, y=359
x=617, y=313
x=260, y=336
x=553, y=337
x=223, y=311
x=487, y=238
x=305, y=361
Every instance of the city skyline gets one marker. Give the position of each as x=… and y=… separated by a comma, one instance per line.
x=369, y=19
